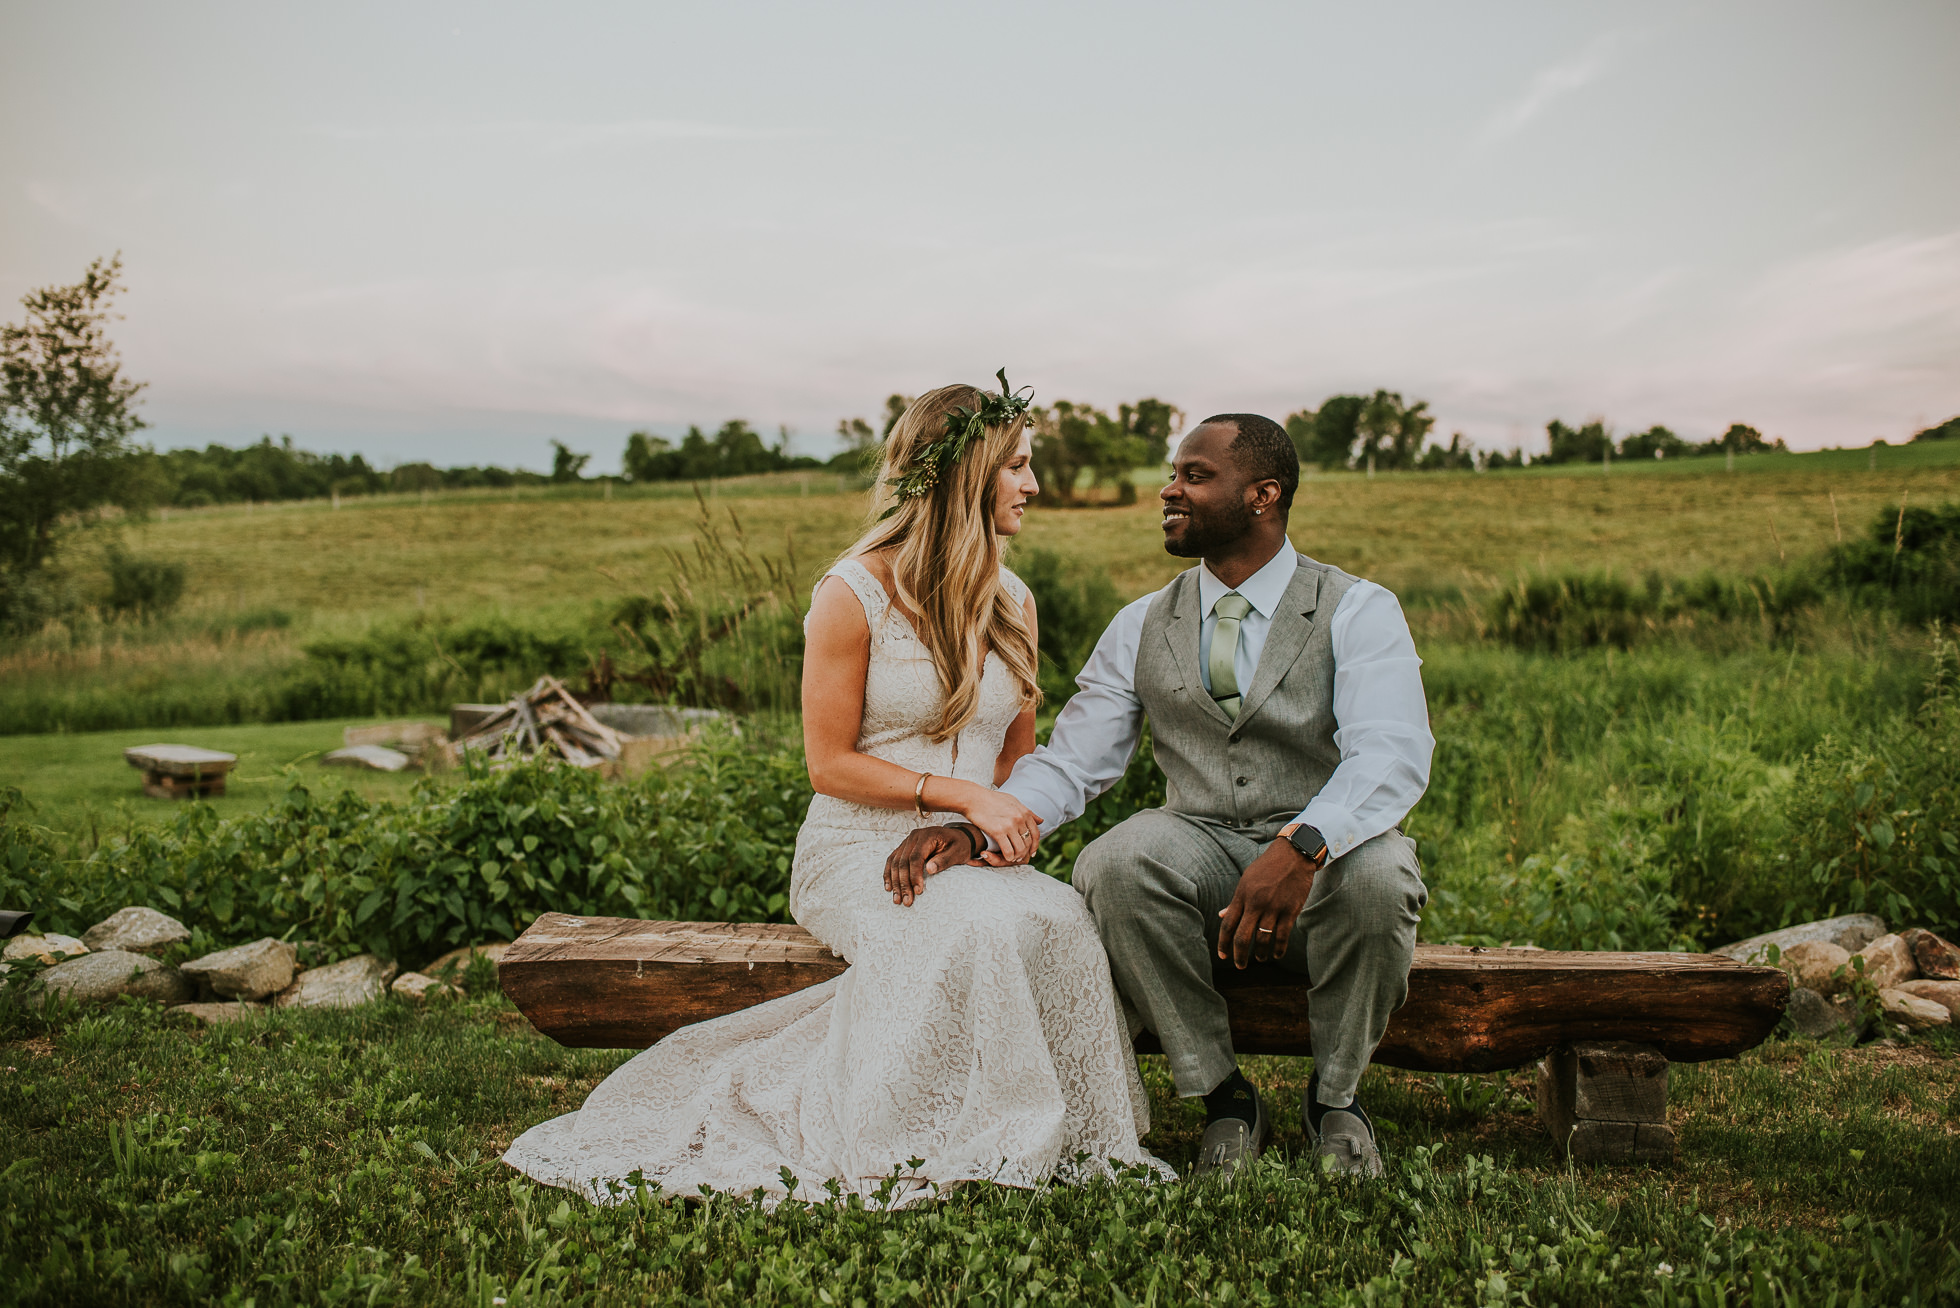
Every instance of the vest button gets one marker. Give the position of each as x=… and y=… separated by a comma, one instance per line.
x=1233, y=738
x=1245, y=781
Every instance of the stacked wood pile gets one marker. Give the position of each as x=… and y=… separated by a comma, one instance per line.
x=545, y=717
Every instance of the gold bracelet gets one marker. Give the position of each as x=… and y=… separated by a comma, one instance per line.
x=919, y=793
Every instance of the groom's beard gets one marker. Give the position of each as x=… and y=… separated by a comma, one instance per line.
x=1219, y=528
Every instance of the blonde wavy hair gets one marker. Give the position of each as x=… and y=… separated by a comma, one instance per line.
x=946, y=557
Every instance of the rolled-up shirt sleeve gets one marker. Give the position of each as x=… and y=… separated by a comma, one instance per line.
x=1095, y=734
x=1382, y=722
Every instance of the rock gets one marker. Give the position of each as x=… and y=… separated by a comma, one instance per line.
x=346, y=984
x=252, y=971
x=137, y=930
x=413, y=985
x=1912, y=1012
x=454, y=966
x=411, y=736
x=1887, y=962
x=98, y=977
x=1940, y=992
x=1816, y=1017
x=50, y=948
x=1814, y=964
x=1850, y=933
x=378, y=757
x=217, y=1014
x=1938, y=960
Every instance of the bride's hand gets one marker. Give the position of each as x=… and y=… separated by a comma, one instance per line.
x=1011, y=824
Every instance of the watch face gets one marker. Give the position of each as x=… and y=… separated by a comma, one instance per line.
x=1309, y=843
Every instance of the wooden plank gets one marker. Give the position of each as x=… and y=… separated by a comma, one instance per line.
x=621, y=983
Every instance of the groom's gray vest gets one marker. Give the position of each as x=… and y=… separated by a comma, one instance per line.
x=1256, y=773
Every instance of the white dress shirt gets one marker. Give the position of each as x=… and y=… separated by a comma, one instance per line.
x=1383, y=731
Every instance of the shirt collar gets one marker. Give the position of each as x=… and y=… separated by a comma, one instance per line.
x=1264, y=588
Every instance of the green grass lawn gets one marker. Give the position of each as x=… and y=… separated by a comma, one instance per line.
x=76, y=783
x=328, y=1158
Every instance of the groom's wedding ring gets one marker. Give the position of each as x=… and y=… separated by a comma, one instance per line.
x=1265, y=931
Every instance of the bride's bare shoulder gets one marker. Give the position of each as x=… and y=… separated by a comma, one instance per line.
x=879, y=564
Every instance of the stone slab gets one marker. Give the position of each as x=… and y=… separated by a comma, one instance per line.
x=377, y=757
x=50, y=948
x=138, y=930
x=1851, y=932
x=102, y=976
x=1912, y=1012
x=180, y=760
x=346, y=984
x=252, y=971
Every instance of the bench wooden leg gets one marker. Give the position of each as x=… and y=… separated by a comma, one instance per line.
x=1605, y=1101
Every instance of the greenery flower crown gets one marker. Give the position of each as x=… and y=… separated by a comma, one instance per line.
x=963, y=427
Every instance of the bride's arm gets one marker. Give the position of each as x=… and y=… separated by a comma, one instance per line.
x=1020, y=735
x=836, y=655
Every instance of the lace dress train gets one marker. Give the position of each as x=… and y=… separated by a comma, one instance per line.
x=977, y=1031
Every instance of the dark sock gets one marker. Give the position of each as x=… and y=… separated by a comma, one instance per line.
x=1317, y=1110
x=1234, y=1097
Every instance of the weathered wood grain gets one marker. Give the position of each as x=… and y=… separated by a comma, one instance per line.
x=623, y=984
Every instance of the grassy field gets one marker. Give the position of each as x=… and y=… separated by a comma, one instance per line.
x=333, y=1158
x=265, y=582
x=79, y=782
x=1423, y=533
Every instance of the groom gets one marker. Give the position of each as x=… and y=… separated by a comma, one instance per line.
x=1286, y=709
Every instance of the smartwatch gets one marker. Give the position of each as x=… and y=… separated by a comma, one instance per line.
x=1311, y=844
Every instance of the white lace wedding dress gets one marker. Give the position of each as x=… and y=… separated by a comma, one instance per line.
x=977, y=1030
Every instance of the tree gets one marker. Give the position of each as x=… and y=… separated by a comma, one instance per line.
x=1326, y=437
x=649, y=458
x=1153, y=423
x=1071, y=438
x=1393, y=431
x=860, y=452
x=66, y=416
x=895, y=407
x=1740, y=438
x=565, y=465
x=1456, y=455
x=1946, y=431
x=1588, y=444
x=1656, y=442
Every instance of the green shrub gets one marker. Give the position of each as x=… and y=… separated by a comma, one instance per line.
x=1909, y=561
x=1589, y=610
x=710, y=838
x=142, y=588
x=1073, y=607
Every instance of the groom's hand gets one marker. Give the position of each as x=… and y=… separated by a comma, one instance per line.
x=1258, y=923
x=924, y=852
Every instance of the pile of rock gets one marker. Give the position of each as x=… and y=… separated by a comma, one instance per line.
x=1916, y=973
x=118, y=956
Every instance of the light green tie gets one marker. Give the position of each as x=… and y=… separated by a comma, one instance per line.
x=1222, y=659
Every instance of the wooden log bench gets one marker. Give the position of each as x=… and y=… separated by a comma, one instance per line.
x=180, y=771
x=1605, y=1025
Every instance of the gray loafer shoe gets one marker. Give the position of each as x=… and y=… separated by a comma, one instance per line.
x=1229, y=1144
x=1345, y=1135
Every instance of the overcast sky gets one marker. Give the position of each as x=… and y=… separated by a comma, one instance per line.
x=452, y=232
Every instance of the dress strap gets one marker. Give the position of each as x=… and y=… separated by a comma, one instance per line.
x=1017, y=590
x=866, y=587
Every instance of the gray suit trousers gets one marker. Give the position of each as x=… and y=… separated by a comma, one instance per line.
x=1155, y=884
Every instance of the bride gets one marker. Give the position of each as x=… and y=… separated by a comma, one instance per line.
x=976, y=1034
